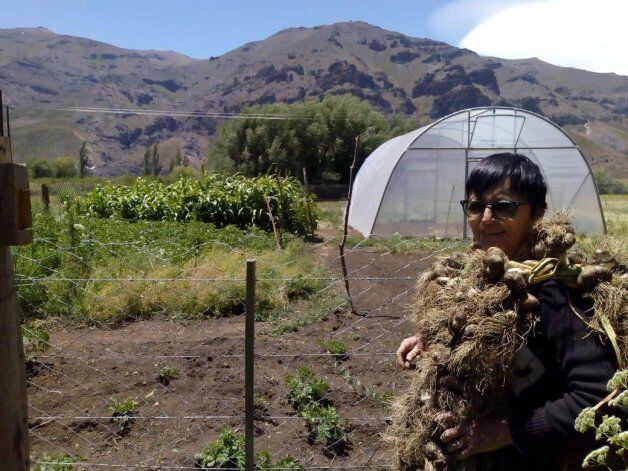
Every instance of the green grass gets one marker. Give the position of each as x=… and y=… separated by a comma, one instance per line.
x=88, y=270
x=330, y=215
x=615, y=209
x=62, y=462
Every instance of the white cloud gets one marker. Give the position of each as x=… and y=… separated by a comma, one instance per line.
x=587, y=34
x=454, y=19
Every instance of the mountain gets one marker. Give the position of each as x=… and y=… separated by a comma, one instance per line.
x=426, y=79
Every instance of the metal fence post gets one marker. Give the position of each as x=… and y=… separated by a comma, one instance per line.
x=249, y=366
x=14, y=449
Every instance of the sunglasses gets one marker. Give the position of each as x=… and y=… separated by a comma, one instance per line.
x=503, y=209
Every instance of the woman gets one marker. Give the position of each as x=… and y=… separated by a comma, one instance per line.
x=562, y=368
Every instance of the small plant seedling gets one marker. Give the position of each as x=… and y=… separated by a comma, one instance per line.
x=166, y=373
x=226, y=451
x=265, y=462
x=335, y=347
x=122, y=413
x=260, y=406
x=327, y=426
x=304, y=388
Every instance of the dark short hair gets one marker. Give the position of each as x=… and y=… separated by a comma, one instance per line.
x=524, y=176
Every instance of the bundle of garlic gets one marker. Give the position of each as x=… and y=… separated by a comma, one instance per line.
x=473, y=311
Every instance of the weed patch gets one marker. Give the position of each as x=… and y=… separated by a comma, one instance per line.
x=334, y=347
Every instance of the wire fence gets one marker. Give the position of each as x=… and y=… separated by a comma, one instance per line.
x=135, y=341
x=612, y=188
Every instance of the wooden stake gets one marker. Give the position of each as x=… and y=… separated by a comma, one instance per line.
x=14, y=449
x=345, y=231
x=45, y=195
x=272, y=222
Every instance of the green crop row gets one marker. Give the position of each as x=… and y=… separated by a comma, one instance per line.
x=222, y=201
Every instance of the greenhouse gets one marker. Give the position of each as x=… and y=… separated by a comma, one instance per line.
x=412, y=185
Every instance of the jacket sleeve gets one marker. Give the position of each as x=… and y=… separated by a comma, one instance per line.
x=585, y=365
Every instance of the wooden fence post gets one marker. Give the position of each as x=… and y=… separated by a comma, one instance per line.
x=45, y=195
x=249, y=368
x=14, y=449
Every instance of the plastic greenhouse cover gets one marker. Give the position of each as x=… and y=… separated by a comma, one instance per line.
x=415, y=193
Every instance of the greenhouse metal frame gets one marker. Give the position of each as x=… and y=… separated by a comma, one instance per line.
x=411, y=185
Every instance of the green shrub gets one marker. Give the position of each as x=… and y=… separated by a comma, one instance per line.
x=235, y=200
x=64, y=167
x=39, y=168
x=304, y=388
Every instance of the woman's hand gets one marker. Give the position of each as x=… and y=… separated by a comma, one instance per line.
x=408, y=350
x=478, y=436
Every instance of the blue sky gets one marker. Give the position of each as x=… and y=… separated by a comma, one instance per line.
x=588, y=34
x=209, y=28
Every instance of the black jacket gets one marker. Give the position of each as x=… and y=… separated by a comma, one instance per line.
x=563, y=368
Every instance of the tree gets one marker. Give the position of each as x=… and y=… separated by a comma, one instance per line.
x=64, y=167
x=83, y=161
x=178, y=161
x=155, y=163
x=318, y=136
x=148, y=167
x=40, y=168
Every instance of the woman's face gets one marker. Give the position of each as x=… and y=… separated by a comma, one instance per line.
x=506, y=233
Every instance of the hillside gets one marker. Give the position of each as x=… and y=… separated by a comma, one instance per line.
x=426, y=79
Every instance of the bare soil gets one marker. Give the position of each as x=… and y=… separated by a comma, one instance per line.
x=73, y=381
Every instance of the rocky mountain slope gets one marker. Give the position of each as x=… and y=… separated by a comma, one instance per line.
x=41, y=71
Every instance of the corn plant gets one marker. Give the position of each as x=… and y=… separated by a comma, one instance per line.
x=222, y=201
